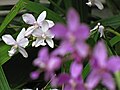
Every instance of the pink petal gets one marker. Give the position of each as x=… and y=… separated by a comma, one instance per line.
x=59, y=31
x=114, y=63
x=76, y=69
x=93, y=79
x=82, y=32
x=63, y=78
x=100, y=54
x=72, y=19
x=43, y=54
x=82, y=49
x=108, y=81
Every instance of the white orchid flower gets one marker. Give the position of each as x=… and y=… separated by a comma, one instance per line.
x=98, y=3
x=20, y=43
x=100, y=29
x=43, y=34
x=36, y=24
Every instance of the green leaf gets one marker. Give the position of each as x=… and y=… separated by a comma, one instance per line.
x=14, y=11
x=38, y=8
x=114, y=40
x=113, y=22
x=86, y=71
x=4, y=53
x=3, y=81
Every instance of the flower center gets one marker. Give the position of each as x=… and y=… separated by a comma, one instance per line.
x=44, y=36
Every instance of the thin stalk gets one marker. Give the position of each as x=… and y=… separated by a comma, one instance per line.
x=113, y=31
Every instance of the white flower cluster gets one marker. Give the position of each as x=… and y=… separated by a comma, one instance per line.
x=40, y=29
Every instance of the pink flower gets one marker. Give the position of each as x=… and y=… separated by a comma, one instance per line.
x=102, y=68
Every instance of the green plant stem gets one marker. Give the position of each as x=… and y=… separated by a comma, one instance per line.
x=60, y=9
x=117, y=78
x=114, y=32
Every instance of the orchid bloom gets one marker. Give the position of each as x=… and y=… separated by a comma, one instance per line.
x=98, y=3
x=42, y=35
x=73, y=35
x=20, y=43
x=102, y=68
x=74, y=80
x=100, y=29
x=30, y=19
x=47, y=63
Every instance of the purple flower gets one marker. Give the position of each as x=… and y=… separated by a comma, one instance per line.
x=47, y=63
x=102, y=68
x=73, y=36
x=74, y=80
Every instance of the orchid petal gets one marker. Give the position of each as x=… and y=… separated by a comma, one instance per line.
x=8, y=39
x=108, y=81
x=28, y=18
x=23, y=52
x=54, y=63
x=41, y=17
x=45, y=26
x=72, y=19
x=39, y=41
x=50, y=42
x=93, y=79
x=37, y=33
x=100, y=54
x=12, y=51
x=76, y=69
x=43, y=53
x=82, y=49
x=98, y=4
x=51, y=23
x=21, y=35
x=82, y=32
x=59, y=31
x=63, y=79
x=101, y=30
x=29, y=30
x=23, y=42
x=114, y=61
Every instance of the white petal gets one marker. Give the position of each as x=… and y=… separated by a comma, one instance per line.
x=101, y=30
x=21, y=35
x=23, y=42
x=29, y=31
x=37, y=33
x=33, y=43
x=96, y=27
x=12, y=51
x=99, y=4
x=50, y=42
x=28, y=18
x=51, y=23
x=23, y=52
x=8, y=39
x=39, y=42
x=89, y=3
x=45, y=26
x=41, y=17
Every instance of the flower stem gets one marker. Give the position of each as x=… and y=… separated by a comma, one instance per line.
x=113, y=31
x=117, y=77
